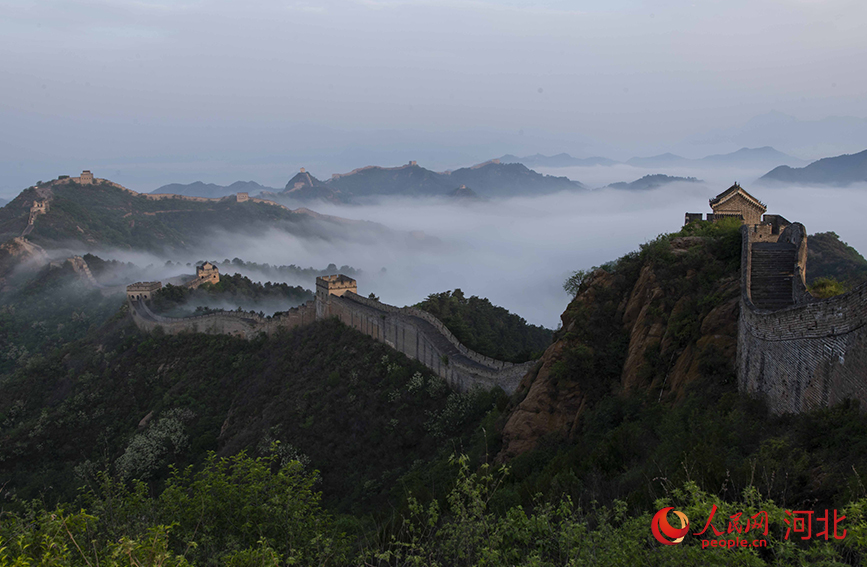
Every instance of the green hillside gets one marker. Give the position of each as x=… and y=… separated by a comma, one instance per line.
x=634, y=406
x=830, y=257
x=409, y=180
x=486, y=328
x=102, y=216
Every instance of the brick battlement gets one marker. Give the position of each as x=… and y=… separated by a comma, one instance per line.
x=809, y=354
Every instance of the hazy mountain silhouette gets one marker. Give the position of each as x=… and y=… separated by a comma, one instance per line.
x=211, y=190
x=305, y=187
x=652, y=182
x=559, y=160
x=839, y=170
x=762, y=157
x=493, y=179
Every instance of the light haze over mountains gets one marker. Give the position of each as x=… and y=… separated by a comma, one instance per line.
x=155, y=92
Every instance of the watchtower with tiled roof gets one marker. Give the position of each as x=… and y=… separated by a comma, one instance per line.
x=736, y=202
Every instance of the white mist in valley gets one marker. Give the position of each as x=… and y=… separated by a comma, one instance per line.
x=516, y=252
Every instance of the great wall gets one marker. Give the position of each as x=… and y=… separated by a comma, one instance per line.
x=797, y=352
x=417, y=334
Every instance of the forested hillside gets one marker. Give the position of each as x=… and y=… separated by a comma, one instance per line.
x=486, y=328
x=633, y=406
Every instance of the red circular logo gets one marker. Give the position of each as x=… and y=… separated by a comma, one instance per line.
x=662, y=530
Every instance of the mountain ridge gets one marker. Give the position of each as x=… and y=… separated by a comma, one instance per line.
x=839, y=170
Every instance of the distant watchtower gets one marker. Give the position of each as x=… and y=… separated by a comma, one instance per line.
x=86, y=177
x=207, y=273
x=142, y=291
x=241, y=197
x=334, y=285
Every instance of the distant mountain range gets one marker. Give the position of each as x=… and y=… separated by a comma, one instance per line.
x=559, y=160
x=745, y=157
x=103, y=215
x=832, y=135
x=502, y=177
x=761, y=158
x=489, y=179
x=840, y=171
x=211, y=190
x=652, y=182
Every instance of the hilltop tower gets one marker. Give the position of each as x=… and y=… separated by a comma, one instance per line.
x=735, y=202
x=334, y=285
x=142, y=291
x=207, y=273
x=86, y=177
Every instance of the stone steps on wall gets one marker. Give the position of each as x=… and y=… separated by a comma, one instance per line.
x=772, y=274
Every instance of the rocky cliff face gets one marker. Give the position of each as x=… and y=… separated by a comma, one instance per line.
x=649, y=325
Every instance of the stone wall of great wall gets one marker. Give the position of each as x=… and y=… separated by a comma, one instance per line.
x=810, y=354
x=415, y=333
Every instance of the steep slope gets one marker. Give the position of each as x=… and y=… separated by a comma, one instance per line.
x=652, y=322
x=486, y=328
x=305, y=187
x=840, y=170
x=830, y=257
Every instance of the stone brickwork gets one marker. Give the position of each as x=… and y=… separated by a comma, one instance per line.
x=206, y=273
x=416, y=333
x=809, y=355
x=423, y=337
x=142, y=291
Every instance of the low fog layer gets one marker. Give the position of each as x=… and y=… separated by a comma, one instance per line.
x=516, y=252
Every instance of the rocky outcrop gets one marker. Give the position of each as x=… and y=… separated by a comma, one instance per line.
x=675, y=331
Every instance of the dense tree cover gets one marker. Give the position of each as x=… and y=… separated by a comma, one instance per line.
x=51, y=309
x=261, y=512
x=290, y=271
x=233, y=290
x=486, y=328
x=829, y=257
x=134, y=405
x=383, y=431
x=106, y=216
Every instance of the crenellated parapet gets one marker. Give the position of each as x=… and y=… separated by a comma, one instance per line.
x=416, y=333
x=798, y=352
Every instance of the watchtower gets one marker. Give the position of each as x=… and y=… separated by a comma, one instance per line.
x=86, y=177
x=142, y=291
x=736, y=202
x=334, y=285
x=207, y=273
x=241, y=197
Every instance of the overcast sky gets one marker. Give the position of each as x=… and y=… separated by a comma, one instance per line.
x=149, y=92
